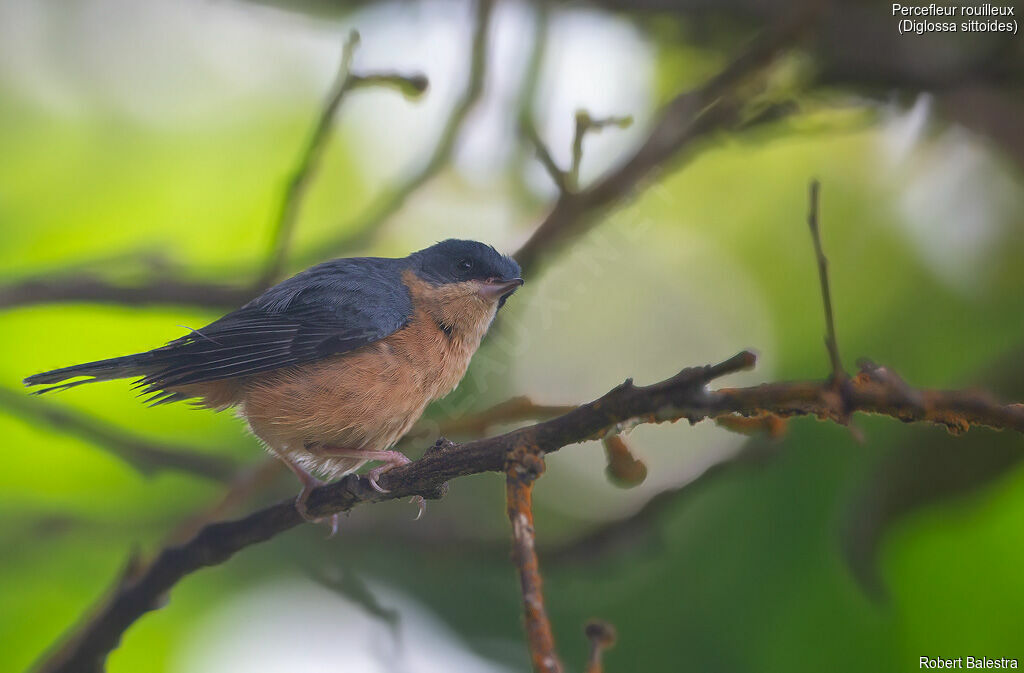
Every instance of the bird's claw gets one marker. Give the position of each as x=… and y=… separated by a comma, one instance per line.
x=374, y=475
x=419, y=500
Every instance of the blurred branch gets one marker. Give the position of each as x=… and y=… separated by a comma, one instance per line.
x=584, y=125
x=83, y=287
x=838, y=373
x=309, y=160
x=601, y=636
x=512, y=410
x=568, y=181
x=690, y=116
x=525, y=465
x=145, y=456
x=357, y=235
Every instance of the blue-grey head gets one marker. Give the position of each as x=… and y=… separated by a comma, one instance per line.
x=459, y=261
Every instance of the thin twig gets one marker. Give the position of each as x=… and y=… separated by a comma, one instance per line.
x=146, y=456
x=358, y=234
x=601, y=636
x=584, y=125
x=524, y=467
x=309, y=160
x=527, y=100
x=838, y=373
x=540, y=148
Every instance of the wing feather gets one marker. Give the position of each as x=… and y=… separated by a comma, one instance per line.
x=332, y=308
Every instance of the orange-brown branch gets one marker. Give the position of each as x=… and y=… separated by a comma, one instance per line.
x=524, y=466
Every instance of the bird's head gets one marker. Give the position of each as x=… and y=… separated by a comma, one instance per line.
x=472, y=265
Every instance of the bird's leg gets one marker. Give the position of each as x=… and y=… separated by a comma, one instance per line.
x=309, y=482
x=390, y=460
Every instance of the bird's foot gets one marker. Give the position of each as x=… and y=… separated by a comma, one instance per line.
x=392, y=459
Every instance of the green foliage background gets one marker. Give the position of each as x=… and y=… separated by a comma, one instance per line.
x=743, y=573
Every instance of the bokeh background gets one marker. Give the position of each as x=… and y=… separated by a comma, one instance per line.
x=154, y=140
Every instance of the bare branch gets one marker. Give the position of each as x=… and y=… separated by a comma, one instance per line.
x=557, y=175
x=71, y=288
x=838, y=373
x=683, y=396
x=524, y=467
x=584, y=125
x=357, y=235
x=568, y=182
x=309, y=160
x=146, y=456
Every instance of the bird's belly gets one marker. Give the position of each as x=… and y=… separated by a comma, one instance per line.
x=361, y=401
x=365, y=400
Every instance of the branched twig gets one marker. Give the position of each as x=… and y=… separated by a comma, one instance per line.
x=584, y=125
x=145, y=456
x=525, y=465
x=568, y=181
x=681, y=397
x=309, y=160
x=166, y=289
x=689, y=117
x=838, y=373
x=357, y=235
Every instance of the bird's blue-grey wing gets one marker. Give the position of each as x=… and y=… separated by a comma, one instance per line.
x=329, y=309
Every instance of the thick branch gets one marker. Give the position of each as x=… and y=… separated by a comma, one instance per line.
x=682, y=396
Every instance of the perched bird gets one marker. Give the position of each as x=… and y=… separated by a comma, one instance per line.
x=331, y=367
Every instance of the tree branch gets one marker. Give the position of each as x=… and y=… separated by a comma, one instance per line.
x=525, y=465
x=71, y=288
x=838, y=373
x=682, y=396
x=147, y=457
x=689, y=117
x=358, y=235
x=309, y=160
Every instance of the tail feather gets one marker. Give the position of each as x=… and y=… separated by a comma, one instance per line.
x=102, y=370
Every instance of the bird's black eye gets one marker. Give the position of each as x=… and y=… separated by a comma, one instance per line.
x=465, y=265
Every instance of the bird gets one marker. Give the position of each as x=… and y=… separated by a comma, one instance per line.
x=331, y=367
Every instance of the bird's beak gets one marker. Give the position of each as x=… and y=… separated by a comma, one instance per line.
x=496, y=288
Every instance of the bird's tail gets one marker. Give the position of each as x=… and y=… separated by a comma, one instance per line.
x=102, y=370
